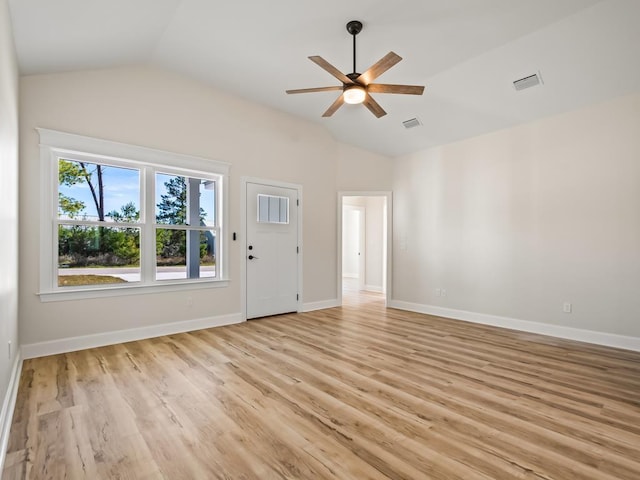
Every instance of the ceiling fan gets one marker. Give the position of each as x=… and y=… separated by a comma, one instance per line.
x=357, y=87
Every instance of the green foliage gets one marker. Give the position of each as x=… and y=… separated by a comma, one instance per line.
x=171, y=243
x=93, y=245
x=69, y=173
x=89, y=245
x=127, y=214
x=70, y=206
x=172, y=210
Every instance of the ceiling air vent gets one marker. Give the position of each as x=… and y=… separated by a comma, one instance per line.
x=411, y=123
x=528, y=82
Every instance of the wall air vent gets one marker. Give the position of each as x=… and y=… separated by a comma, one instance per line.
x=528, y=82
x=411, y=123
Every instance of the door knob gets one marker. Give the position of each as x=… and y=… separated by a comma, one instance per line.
x=251, y=257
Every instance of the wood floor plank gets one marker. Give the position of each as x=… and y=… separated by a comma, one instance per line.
x=357, y=392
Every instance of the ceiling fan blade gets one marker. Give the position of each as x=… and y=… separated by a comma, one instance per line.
x=334, y=106
x=373, y=106
x=377, y=69
x=316, y=89
x=404, y=89
x=322, y=63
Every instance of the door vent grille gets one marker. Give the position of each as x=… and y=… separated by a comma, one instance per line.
x=412, y=123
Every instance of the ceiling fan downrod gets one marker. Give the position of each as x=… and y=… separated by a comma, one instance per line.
x=354, y=27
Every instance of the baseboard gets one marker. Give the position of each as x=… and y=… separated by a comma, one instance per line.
x=312, y=306
x=373, y=288
x=8, y=405
x=577, y=334
x=72, y=344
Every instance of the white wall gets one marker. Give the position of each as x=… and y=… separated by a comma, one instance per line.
x=8, y=204
x=517, y=222
x=158, y=109
x=352, y=216
x=360, y=170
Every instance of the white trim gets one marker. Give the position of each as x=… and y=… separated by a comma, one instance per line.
x=116, y=150
x=577, y=334
x=118, y=291
x=224, y=269
x=243, y=236
x=389, y=250
x=72, y=344
x=8, y=406
x=312, y=306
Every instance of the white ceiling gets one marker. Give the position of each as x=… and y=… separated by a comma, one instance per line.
x=467, y=53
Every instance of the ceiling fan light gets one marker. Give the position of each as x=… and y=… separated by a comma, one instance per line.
x=354, y=94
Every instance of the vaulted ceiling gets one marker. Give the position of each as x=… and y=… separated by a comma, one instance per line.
x=467, y=53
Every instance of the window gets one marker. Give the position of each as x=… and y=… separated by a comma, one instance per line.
x=185, y=227
x=98, y=225
x=128, y=218
x=273, y=209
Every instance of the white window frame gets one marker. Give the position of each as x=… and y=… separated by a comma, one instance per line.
x=55, y=145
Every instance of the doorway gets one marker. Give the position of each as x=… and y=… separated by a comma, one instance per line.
x=364, y=237
x=272, y=258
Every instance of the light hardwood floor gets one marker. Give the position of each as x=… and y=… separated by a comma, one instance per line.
x=357, y=392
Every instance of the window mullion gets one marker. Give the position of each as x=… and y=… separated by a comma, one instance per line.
x=148, y=247
x=97, y=223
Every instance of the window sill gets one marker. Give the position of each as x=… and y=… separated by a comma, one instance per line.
x=118, y=290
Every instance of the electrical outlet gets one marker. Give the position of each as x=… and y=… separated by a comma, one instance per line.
x=443, y=292
x=438, y=292
x=566, y=307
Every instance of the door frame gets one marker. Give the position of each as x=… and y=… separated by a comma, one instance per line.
x=243, y=236
x=389, y=224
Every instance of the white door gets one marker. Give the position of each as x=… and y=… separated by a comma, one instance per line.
x=271, y=250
